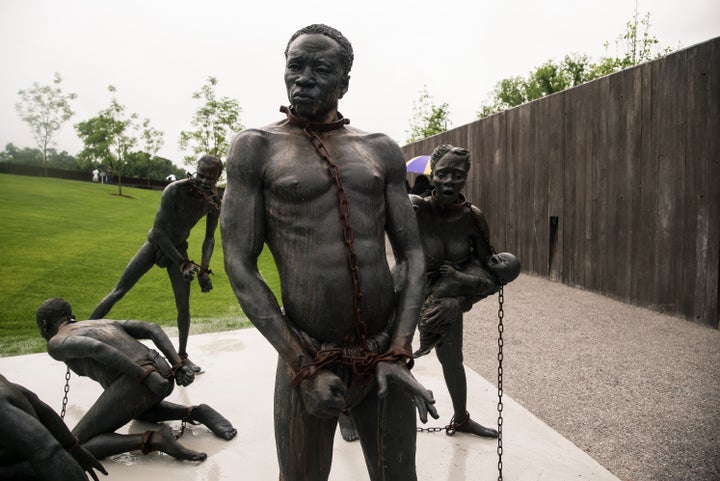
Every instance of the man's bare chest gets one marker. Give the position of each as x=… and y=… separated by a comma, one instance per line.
x=299, y=173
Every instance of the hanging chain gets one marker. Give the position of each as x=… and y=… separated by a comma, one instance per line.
x=211, y=198
x=501, y=328
x=66, y=391
x=348, y=235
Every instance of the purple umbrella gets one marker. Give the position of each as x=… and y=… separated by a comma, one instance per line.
x=419, y=164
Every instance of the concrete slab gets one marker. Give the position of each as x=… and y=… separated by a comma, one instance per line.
x=238, y=383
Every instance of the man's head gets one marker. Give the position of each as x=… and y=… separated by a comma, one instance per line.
x=450, y=166
x=209, y=170
x=51, y=314
x=346, y=50
x=318, y=62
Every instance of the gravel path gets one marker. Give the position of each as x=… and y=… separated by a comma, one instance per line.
x=637, y=390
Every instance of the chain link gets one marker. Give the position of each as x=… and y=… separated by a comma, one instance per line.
x=348, y=236
x=501, y=328
x=431, y=430
x=66, y=390
x=211, y=198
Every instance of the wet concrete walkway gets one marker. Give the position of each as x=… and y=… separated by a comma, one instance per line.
x=238, y=382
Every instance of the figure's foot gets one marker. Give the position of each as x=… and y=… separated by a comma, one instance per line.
x=213, y=420
x=472, y=427
x=163, y=440
x=347, y=428
x=193, y=367
x=467, y=425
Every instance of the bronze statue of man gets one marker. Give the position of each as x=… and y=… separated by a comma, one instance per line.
x=461, y=269
x=136, y=380
x=182, y=205
x=35, y=443
x=322, y=195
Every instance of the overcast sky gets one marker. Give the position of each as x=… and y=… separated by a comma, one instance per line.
x=158, y=52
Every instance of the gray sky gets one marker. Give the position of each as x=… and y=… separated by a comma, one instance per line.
x=158, y=52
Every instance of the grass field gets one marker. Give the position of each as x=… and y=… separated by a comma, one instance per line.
x=73, y=239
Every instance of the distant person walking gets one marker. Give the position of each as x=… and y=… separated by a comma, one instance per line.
x=95, y=176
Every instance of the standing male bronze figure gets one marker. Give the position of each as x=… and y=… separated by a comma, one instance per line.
x=322, y=195
x=182, y=205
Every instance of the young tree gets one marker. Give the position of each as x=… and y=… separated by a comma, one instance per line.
x=45, y=108
x=639, y=46
x=214, y=124
x=153, y=140
x=109, y=136
x=428, y=118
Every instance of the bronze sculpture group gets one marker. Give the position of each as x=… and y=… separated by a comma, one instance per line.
x=344, y=327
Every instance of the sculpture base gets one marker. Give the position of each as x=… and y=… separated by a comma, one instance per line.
x=238, y=382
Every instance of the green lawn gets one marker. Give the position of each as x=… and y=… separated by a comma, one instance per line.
x=73, y=239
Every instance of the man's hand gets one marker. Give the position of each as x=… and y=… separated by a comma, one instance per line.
x=440, y=312
x=184, y=375
x=205, y=282
x=188, y=269
x=158, y=384
x=447, y=271
x=399, y=373
x=87, y=461
x=323, y=394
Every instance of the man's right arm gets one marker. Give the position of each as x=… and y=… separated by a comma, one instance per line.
x=242, y=226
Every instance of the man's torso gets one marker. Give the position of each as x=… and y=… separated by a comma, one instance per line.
x=306, y=232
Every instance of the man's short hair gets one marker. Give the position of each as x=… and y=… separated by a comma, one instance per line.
x=212, y=162
x=346, y=50
x=52, y=309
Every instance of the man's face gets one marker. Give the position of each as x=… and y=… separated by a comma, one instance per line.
x=207, y=176
x=449, y=176
x=313, y=76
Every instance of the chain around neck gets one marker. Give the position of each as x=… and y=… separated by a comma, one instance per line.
x=314, y=126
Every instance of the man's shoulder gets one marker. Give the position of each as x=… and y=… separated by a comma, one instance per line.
x=174, y=188
x=374, y=137
x=255, y=139
x=476, y=211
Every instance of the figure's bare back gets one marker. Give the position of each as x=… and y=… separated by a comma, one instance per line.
x=107, y=332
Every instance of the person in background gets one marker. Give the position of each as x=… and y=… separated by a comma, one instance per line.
x=421, y=186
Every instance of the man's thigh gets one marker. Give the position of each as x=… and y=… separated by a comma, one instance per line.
x=387, y=430
x=304, y=442
x=124, y=400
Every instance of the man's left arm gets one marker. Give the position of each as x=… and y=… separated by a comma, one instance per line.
x=402, y=231
x=155, y=333
x=208, y=246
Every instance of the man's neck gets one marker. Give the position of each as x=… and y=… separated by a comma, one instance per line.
x=337, y=121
